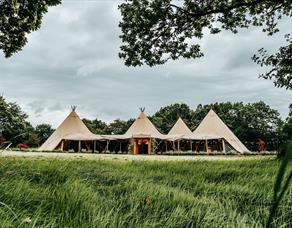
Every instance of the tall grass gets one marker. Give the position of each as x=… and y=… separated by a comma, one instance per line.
x=282, y=183
x=58, y=193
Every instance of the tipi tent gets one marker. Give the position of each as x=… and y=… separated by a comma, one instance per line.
x=213, y=127
x=142, y=133
x=72, y=128
x=143, y=127
x=179, y=130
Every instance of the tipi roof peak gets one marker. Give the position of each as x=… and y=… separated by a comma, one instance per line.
x=180, y=128
x=143, y=126
x=73, y=108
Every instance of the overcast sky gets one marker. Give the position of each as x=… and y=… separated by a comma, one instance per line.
x=73, y=60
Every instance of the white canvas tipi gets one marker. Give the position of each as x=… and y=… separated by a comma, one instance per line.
x=213, y=125
x=71, y=126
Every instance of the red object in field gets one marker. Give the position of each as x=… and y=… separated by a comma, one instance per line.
x=22, y=146
x=2, y=139
x=261, y=145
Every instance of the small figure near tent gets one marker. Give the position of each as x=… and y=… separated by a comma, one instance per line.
x=22, y=146
x=261, y=145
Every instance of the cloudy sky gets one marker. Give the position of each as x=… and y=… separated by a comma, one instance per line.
x=73, y=60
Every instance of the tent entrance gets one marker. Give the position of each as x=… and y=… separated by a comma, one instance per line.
x=142, y=146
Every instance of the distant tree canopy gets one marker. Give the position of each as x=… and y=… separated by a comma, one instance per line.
x=15, y=128
x=19, y=18
x=96, y=126
x=116, y=127
x=155, y=31
x=13, y=124
x=119, y=126
x=166, y=117
x=43, y=131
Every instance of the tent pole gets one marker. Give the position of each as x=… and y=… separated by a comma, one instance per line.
x=223, y=145
x=178, y=146
x=173, y=145
x=149, y=147
x=165, y=146
x=107, y=142
x=79, y=146
x=191, y=145
x=93, y=150
x=120, y=146
x=62, y=145
x=206, y=145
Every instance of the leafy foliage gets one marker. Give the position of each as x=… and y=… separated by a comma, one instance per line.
x=17, y=19
x=43, y=131
x=166, y=117
x=96, y=126
x=287, y=128
x=281, y=64
x=13, y=122
x=119, y=126
x=154, y=31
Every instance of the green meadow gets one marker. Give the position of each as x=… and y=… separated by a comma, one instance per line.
x=82, y=193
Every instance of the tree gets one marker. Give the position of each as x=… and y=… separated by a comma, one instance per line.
x=167, y=116
x=13, y=124
x=287, y=129
x=96, y=126
x=119, y=126
x=43, y=132
x=281, y=64
x=155, y=31
x=32, y=140
x=19, y=18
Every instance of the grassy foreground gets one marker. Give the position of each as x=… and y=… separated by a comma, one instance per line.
x=60, y=193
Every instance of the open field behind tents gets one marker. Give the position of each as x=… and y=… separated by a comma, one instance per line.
x=89, y=193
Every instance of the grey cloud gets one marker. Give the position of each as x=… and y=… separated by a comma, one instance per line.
x=73, y=60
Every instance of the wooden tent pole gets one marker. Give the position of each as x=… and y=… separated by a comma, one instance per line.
x=94, y=146
x=120, y=146
x=191, y=145
x=149, y=147
x=62, y=145
x=165, y=146
x=223, y=145
x=107, y=142
x=173, y=145
x=206, y=145
x=178, y=146
x=79, y=146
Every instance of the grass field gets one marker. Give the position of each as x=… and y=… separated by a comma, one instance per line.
x=84, y=193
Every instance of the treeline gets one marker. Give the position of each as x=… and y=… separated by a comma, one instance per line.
x=248, y=121
x=14, y=127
